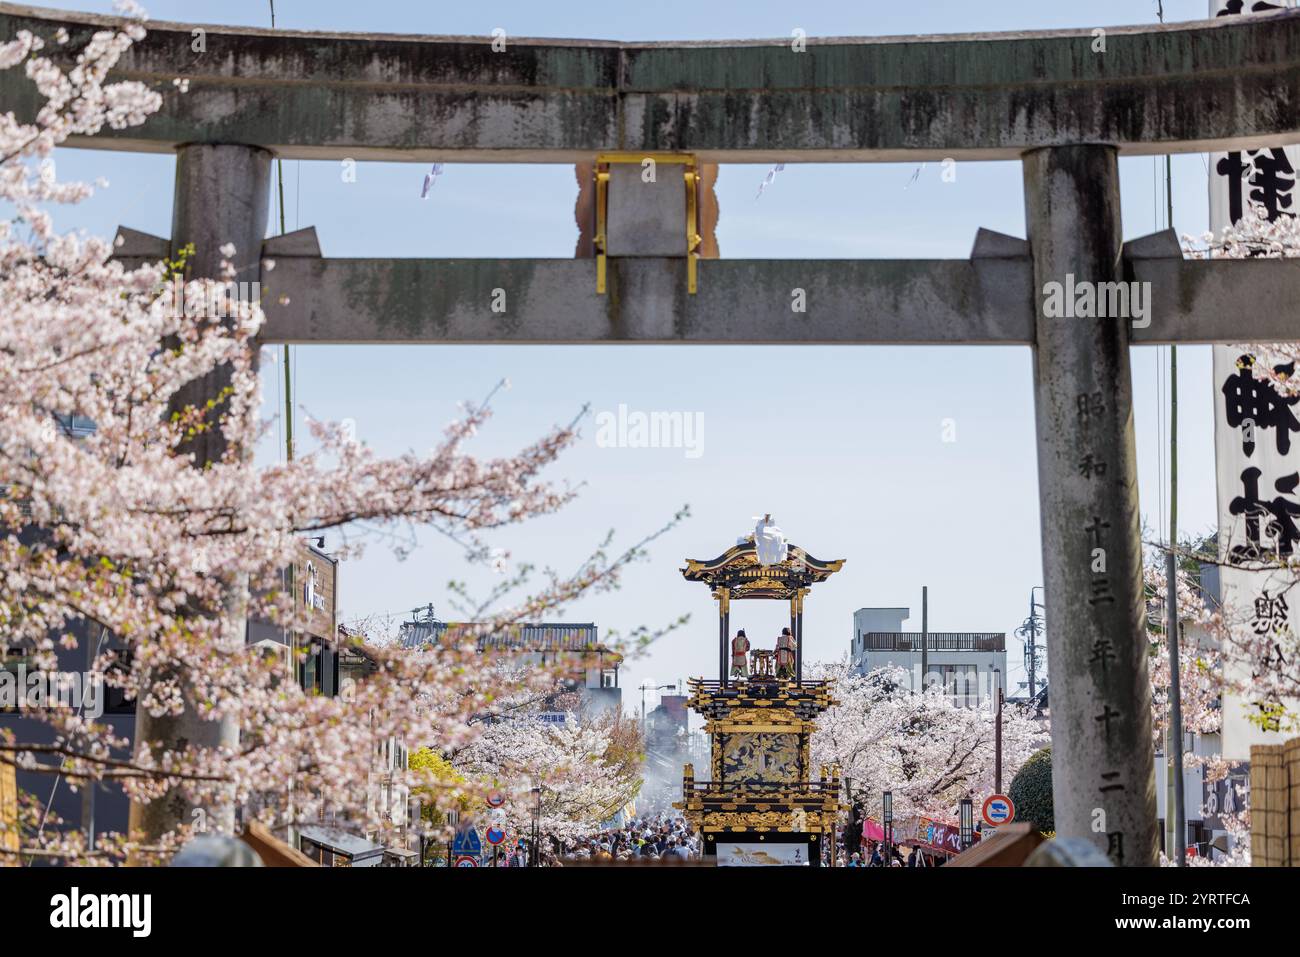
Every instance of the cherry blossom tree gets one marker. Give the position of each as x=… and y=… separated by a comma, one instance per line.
x=1204, y=648
x=924, y=748
x=586, y=768
x=1200, y=654
x=114, y=531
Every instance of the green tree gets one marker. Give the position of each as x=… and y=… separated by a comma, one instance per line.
x=1031, y=791
x=439, y=770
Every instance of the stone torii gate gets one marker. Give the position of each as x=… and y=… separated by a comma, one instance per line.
x=1048, y=99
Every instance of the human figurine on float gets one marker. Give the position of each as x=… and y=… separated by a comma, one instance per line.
x=785, y=655
x=739, y=649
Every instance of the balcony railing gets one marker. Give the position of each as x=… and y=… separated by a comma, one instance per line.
x=760, y=686
x=935, y=641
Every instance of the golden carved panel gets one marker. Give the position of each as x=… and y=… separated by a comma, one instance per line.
x=814, y=820
x=761, y=756
x=765, y=715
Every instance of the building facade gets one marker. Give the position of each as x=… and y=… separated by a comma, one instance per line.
x=102, y=807
x=970, y=665
x=594, y=667
x=313, y=578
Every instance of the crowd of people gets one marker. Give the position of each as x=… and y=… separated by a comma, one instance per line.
x=873, y=854
x=857, y=846
x=661, y=837
x=668, y=838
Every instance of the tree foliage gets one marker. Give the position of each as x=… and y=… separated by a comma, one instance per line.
x=107, y=528
x=923, y=747
x=1031, y=791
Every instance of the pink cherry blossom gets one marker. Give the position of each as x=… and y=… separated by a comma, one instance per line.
x=113, y=531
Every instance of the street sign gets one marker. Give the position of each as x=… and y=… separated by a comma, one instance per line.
x=467, y=843
x=999, y=809
x=495, y=799
x=467, y=862
x=496, y=835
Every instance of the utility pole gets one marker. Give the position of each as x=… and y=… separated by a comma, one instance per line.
x=291, y=638
x=1028, y=631
x=925, y=634
x=648, y=687
x=997, y=760
x=288, y=401
x=535, y=854
x=1033, y=643
x=1175, y=813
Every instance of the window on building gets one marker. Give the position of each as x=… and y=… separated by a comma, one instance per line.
x=960, y=683
x=331, y=683
x=310, y=671
x=115, y=699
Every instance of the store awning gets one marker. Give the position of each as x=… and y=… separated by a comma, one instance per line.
x=356, y=849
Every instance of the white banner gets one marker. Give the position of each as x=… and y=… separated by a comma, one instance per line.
x=1256, y=442
x=762, y=855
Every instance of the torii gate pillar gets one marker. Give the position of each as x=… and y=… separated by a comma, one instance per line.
x=1103, y=765
x=222, y=196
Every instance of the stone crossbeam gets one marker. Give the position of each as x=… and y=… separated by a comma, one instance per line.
x=555, y=301
x=988, y=299
x=1231, y=83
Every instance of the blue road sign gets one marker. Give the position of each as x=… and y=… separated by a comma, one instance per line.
x=467, y=843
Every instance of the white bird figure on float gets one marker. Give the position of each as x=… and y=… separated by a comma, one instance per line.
x=769, y=541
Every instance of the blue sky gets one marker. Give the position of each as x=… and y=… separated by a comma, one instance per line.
x=849, y=459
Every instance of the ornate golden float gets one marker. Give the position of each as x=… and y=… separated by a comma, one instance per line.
x=760, y=804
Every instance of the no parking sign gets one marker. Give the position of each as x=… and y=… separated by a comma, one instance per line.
x=999, y=809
